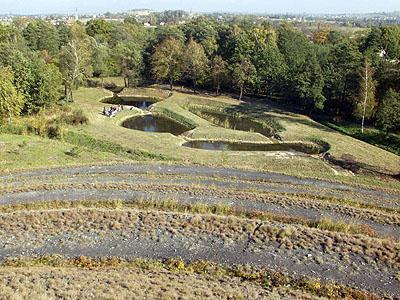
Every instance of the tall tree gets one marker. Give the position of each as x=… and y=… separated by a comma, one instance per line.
x=391, y=41
x=101, y=61
x=167, y=61
x=195, y=63
x=45, y=86
x=21, y=67
x=99, y=29
x=269, y=62
x=75, y=60
x=304, y=79
x=203, y=31
x=11, y=101
x=218, y=72
x=341, y=73
x=130, y=58
x=243, y=75
x=365, y=103
x=41, y=35
x=388, y=116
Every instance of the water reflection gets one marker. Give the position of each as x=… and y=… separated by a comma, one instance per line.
x=155, y=123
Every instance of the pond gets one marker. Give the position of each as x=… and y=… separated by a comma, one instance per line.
x=155, y=123
x=139, y=102
x=231, y=146
x=239, y=123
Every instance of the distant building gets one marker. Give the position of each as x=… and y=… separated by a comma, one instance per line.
x=139, y=12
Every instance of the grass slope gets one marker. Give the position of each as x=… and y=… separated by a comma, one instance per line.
x=26, y=152
x=296, y=128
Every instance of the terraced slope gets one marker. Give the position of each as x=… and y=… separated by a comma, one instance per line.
x=304, y=227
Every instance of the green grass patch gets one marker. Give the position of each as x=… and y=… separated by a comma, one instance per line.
x=389, y=142
x=19, y=152
x=236, y=120
x=84, y=140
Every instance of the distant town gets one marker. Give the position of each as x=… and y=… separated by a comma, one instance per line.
x=151, y=18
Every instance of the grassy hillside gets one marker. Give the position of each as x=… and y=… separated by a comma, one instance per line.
x=295, y=128
x=103, y=140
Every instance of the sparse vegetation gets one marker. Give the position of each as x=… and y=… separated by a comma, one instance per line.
x=208, y=277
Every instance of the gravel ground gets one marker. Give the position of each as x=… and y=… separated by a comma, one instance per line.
x=355, y=260
x=153, y=236
x=202, y=171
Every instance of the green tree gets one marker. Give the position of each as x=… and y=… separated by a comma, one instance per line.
x=75, y=60
x=8, y=34
x=45, y=86
x=41, y=35
x=365, y=103
x=164, y=33
x=64, y=32
x=195, y=63
x=98, y=28
x=21, y=67
x=130, y=60
x=269, y=62
x=240, y=44
x=373, y=41
x=341, y=73
x=166, y=61
x=388, y=116
x=218, y=72
x=203, y=31
x=11, y=101
x=243, y=75
x=391, y=41
x=304, y=79
x=101, y=61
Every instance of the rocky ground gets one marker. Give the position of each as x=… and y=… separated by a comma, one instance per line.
x=337, y=233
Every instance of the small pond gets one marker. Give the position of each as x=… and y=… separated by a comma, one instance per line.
x=239, y=123
x=154, y=123
x=230, y=146
x=139, y=102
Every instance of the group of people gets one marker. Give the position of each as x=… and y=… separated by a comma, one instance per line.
x=112, y=111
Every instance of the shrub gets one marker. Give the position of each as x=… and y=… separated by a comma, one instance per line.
x=324, y=146
x=14, y=128
x=38, y=124
x=77, y=117
x=54, y=131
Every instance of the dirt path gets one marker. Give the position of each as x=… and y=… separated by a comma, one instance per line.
x=255, y=191
x=200, y=171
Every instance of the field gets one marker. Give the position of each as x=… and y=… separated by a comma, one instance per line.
x=111, y=212
x=295, y=128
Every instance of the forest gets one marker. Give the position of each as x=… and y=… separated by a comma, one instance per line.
x=342, y=76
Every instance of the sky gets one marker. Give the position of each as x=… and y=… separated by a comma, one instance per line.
x=245, y=6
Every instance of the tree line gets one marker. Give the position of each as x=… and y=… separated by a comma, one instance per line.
x=344, y=76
